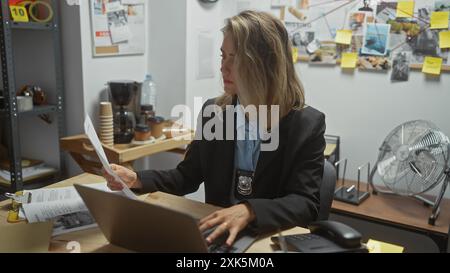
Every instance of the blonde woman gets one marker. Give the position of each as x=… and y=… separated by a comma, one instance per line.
x=259, y=189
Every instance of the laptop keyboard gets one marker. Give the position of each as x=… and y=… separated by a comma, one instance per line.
x=221, y=248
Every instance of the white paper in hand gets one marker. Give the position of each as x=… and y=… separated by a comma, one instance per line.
x=92, y=135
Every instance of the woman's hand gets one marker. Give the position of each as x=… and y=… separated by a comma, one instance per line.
x=233, y=219
x=128, y=177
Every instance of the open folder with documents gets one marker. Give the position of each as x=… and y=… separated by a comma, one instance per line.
x=62, y=206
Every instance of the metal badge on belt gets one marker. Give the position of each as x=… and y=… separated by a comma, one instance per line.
x=244, y=182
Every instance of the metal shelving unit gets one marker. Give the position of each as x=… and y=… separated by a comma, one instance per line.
x=10, y=113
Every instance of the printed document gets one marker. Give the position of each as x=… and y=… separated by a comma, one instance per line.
x=92, y=135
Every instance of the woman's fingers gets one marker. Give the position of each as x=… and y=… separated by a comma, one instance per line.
x=217, y=232
x=112, y=183
x=115, y=186
x=233, y=233
x=210, y=223
x=209, y=217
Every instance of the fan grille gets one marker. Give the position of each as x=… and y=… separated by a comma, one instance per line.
x=413, y=158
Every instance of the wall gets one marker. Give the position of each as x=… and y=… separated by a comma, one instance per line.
x=174, y=58
x=86, y=76
x=98, y=71
x=167, y=64
x=206, y=18
x=363, y=107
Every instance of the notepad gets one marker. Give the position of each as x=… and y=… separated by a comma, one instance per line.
x=381, y=247
x=444, y=39
x=344, y=36
x=439, y=19
x=432, y=65
x=349, y=60
x=405, y=9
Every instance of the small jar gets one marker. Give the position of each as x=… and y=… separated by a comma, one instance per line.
x=157, y=124
x=142, y=132
x=146, y=113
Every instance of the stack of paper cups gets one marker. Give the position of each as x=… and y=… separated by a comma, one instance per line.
x=106, y=124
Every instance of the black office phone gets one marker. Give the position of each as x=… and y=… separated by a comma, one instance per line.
x=325, y=237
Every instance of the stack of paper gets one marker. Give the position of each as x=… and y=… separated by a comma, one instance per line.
x=63, y=206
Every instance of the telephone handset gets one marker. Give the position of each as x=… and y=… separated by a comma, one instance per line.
x=326, y=236
x=337, y=232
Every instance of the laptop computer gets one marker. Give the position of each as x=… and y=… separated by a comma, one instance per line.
x=143, y=227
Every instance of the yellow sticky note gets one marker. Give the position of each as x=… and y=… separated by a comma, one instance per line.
x=444, y=39
x=349, y=60
x=19, y=14
x=405, y=9
x=382, y=247
x=295, y=54
x=432, y=65
x=344, y=36
x=439, y=19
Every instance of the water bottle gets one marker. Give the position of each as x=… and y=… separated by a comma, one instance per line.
x=148, y=93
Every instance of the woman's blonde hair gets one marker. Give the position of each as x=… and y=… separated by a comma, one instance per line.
x=265, y=68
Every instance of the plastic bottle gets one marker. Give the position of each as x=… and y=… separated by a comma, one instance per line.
x=148, y=93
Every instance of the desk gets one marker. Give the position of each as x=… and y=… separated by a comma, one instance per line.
x=92, y=240
x=401, y=212
x=83, y=153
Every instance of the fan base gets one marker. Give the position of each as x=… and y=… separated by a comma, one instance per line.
x=354, y=197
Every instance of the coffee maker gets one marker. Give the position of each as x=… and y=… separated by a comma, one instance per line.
x=125, y=98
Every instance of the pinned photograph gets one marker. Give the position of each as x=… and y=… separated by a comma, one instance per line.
x=357, y=20
x=374, y=63
x=427, y=44
x=407, y=27
x=366, y=6
x=423, y=16
x=118, y=25
x=325, y=55
x=313, y=46
x=400, y=66
x=356, y=45
x=300, y=37
x=376, y=40
x=99, y=7
x=386, y=11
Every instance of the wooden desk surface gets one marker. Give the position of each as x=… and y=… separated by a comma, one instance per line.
x=400, y=211
x=92, y=240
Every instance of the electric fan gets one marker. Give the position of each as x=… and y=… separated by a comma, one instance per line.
x=413, y=159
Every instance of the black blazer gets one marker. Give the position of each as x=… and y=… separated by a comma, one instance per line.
x=287, y=180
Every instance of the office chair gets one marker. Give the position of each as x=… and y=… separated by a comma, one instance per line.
x=327, y=190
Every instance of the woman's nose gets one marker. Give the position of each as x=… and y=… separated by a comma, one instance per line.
x=225, y=68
